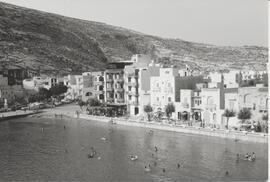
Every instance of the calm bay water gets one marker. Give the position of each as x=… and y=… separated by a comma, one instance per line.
x=58, y=153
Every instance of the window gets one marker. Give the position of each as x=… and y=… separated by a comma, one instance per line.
x=88, y=94
x=129, y=88
x=231, y=105
x=129, y=97
x=247, y=98
x=169, y=99
x=129, y=79
x=101, y=96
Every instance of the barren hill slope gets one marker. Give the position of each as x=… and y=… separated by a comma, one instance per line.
x=56, y=44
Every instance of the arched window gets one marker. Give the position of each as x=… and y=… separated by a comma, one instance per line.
x=88, y=94
x=247, y=98
x=210, y=100
x=100, y=88
x=101, y=78
x=101, y=96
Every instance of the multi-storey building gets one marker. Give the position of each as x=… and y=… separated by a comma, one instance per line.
x=75, y=86
x=255, y=99
x=137, y=83
x=212, y=106
x=114, y=82
x=166, y=88
x=40, y=82
x=94, y=86
x=14, y=74
x=9, y=93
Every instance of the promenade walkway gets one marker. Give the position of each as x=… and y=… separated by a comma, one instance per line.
x=230, y=134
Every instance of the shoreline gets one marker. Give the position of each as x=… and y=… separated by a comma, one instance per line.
x=69, y=111
x=234, y=135
x=17, y=114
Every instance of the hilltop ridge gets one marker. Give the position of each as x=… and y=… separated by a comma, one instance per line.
x=54, y=44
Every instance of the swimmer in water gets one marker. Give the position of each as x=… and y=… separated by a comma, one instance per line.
x=163, y=170
x=178, y=165
x=156, y=148
x=227, y=173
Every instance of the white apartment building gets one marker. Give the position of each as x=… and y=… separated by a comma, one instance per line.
x=163, y=88
x=212, y=106
x=137, y=83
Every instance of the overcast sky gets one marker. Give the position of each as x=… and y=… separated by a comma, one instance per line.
x=220, y=22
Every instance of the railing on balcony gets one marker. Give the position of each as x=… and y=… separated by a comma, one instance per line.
x=211, y=106
x=119, y=89
x=109, y=80
x=109, y=99
x=134, y=103
x=132, y=75
x=185, y=105
x=132, y=93
x=109, y=89
x=120, y=79
x=132, y=84
x=98, y=82
x=247, y=105
x=263, y=108
x=120, y=100
x=168, y=89
x=156, y=89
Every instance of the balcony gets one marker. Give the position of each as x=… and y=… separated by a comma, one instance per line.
x=211, y=106
x=132, y=93
x=132, y=75
x=120, y=100
x=247, y=105
x=133, y=84
x=168, y=89
x=109, y=80
x=99, y=82
x=262, y=108
x=185, y=105
x=121, y=79
x=119, y=89
x=99, y=91
x=109, y=99
x=157, y=89
x=109, y=89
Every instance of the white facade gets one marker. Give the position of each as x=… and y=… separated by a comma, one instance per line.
x=162, y=89
x=75, y=86
x=39, y=82
x=211, y=111
x=231, y=79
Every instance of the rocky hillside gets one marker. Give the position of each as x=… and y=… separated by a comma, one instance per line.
x=54, y=44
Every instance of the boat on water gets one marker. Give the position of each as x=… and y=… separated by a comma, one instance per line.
x=103, y=138
x=133, y=157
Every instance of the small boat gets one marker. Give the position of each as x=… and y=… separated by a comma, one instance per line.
x=147, y=169
x=133, y=157
x=91, y=155
x=103, y=138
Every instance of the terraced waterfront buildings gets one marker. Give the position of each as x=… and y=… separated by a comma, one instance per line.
x=133, y=84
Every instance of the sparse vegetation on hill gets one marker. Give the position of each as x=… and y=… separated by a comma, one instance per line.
x=54, y=44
